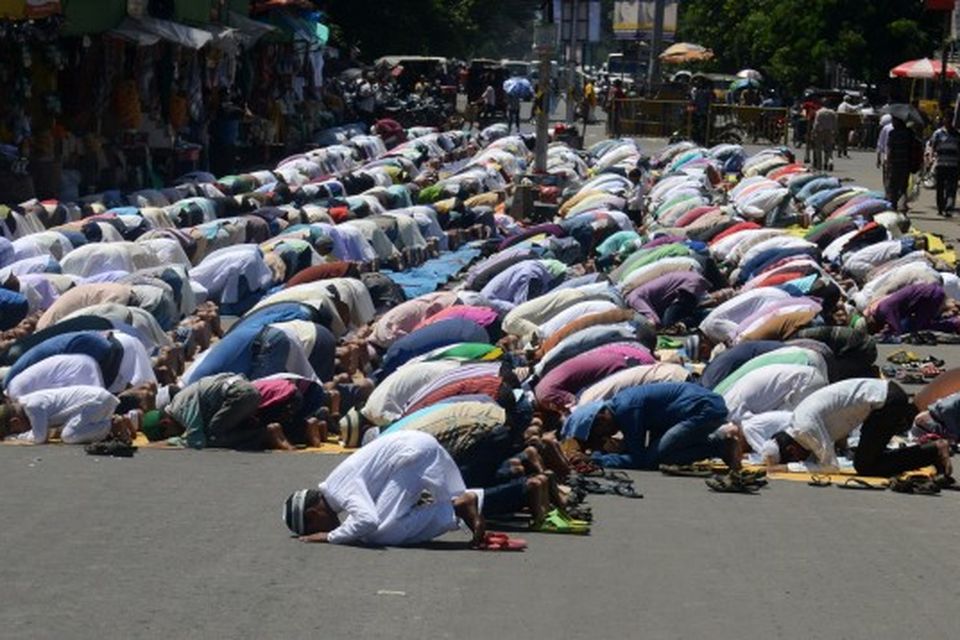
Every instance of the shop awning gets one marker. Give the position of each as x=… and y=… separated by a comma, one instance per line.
x=144, y=30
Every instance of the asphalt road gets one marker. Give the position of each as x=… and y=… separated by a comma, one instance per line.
x=182, y=544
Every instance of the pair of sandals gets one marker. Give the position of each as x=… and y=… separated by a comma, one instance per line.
x=557, y=522
x=114, y=448
x=740, y=481
x=913, y=484
x=609, y=484
x=494, y=541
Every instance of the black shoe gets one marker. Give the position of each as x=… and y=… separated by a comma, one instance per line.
x=114, y=448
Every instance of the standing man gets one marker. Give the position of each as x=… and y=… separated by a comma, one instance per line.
x=489, y=99
x=886, y=126
x=513, y=112
x=903, y=158
x=945, y=145
x=824, y=135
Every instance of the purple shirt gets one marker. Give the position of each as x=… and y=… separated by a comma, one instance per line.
x=561, y=386
x=652, y=298
x=912, y=308
x=519, y=283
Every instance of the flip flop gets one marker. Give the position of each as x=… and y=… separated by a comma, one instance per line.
x=859, y=484
x=553, y=522
x=948, y=483
x=501, y=542
x=578, y=512
x=918, y=485
x=730, y=484
x=114, y=448
x=617, y=476
x=819, y=481
x=627, y=491
x=573, y=521
x=685, y=470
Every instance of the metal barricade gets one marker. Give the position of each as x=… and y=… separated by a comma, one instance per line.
x=736, y=123
x=648, y=118
x=722, y=123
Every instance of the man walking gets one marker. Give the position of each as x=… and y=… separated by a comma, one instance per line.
x=824, y=136
x=945, y=145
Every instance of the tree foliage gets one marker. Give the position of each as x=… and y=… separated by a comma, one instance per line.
x=460, y=28
x=791, y=40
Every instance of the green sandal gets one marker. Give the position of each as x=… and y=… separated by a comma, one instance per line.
x=554, y=522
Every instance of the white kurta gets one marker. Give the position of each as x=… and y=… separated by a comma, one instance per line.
x=388, y=399
x=135, y=366
x=723, y=322
x=220, y=272
x=775, y=387
x=55, y=372
x=82, y=412
x=830, y=414
x=378, y=489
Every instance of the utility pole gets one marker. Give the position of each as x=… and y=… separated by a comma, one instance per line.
x=545, y=38
x=656, y=44
x=944, y=50
x=572, y=50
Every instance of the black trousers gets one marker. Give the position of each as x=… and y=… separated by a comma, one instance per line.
x=946, y=178
x=873, y=458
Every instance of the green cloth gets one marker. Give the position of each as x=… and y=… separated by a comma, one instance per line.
x=615, y=242
x=469, y=351
x=795, y=355
x=430, y=194
x=648, y=256
x=151, y=425
x=556, y=268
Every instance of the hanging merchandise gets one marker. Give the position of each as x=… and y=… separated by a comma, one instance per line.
x=126, y=104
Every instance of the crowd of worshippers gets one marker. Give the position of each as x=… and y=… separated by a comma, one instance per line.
x=691, y=305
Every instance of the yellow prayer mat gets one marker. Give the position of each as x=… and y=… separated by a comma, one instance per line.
x=333, y=446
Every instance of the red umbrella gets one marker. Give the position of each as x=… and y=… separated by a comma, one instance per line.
x=924, y=69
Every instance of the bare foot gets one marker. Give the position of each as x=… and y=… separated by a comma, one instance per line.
x=276, y=439
x=467, y=508
x=944, y=464
x=316, y=432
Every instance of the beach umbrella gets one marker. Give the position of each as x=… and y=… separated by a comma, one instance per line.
x=902, y=111
x=743, y=83
x=517, y=87
x=683, y=52
x=922, y=69
x=752, y=74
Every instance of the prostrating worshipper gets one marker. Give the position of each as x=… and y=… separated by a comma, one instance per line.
x=428, y=338
x=499, y=455
x=101, y=346
x=401, y=489
x=915, y=307
x=827, y=417
x=297, y=404
x=660, y=423
x=217, y=411
x=76, y=415
x=671, y=298
x=260, y=351
x=772, y=387
x=235, y=277
x=557, y=390
x=55, y=372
